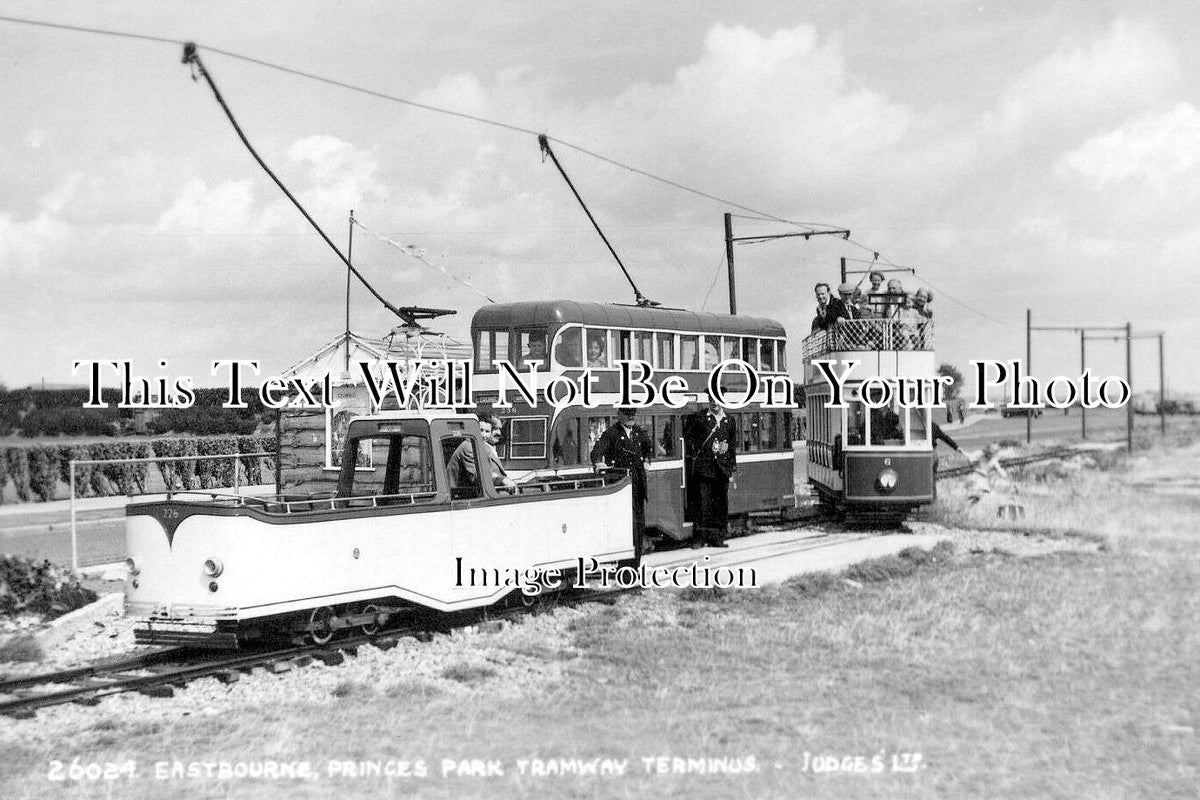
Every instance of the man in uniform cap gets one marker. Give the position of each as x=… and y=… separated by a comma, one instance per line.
x=710, y=442
x=626, y=446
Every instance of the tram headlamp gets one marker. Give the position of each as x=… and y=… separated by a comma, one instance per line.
x=132, y=566
x=887, y=480
x=213, y=567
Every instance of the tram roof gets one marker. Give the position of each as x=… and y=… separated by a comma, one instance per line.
x=561, y=312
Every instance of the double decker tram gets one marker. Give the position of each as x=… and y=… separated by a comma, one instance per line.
x=873, y=460
x=570, y=337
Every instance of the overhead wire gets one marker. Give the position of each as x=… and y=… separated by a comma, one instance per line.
x=758, y=215
x=716, y=274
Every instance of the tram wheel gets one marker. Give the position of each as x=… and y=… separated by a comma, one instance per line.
x=370, y=628
x=320, y=625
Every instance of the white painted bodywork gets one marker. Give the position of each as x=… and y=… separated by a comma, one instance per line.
x=277, y=567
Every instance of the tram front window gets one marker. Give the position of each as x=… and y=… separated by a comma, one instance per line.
x=532, y=346
x=567, y=350
x=856, y=424
x=887, y=426
x=918, y=425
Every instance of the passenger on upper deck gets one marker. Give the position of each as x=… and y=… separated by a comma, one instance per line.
x=876, y=279
x=921, y=301
x=852, y=298
x=596, y=356
x=893, y=299
x=829, y=308
x=536, y=350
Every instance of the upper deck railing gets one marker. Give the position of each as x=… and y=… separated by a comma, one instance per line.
x=869, y=334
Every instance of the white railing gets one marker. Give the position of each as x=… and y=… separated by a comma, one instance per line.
x=146, y=460
x=869, y=334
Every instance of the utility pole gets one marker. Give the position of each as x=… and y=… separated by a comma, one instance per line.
x=729, y=261
x=1162, y=390
x=730, y=239
x=1082, y=369
x=1129, y=375
x=844, y=269
x=349, y=256
x=1028, y=370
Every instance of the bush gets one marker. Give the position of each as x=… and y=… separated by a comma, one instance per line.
x=37, y=471
x=39, y=586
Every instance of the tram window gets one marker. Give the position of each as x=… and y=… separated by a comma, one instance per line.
x=646, y=423
x=744, y=423
x=564, y=451
x=597, y=348
x=624, y=344
x=568, y=348
x=596, y=428
x=463, y=485
x=664, y=436
x=532, y=346
x=666, y=350
x=856, y=424
x=750, y=352
x=484, y=353
x=781, y=358
x=712, y=352
x=766, y=354
x=527, y=437
x=501, y=352
x=643, y=346
x=689, y=352
x=767, y=438
x=730, y=348
x=887, y=426
x=918, y=425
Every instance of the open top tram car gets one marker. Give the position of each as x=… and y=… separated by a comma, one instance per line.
x=875, y=464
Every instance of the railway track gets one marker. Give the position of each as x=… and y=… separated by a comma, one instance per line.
x=160, y=672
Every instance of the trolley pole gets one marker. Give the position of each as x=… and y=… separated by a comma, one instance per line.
x=1129, y=375
x=1028, y=369
x=1082, y=369
x=729, y=262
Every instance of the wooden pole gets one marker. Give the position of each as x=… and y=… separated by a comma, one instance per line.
x=1082, y=369
x=1162, y=390
x=1028, y=370
x=1129, y=377
x=729, y=261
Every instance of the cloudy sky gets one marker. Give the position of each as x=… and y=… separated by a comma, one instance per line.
x=1018, y=155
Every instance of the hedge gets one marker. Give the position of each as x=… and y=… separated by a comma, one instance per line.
x=37, y=470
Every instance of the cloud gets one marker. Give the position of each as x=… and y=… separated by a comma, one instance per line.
x=1080, y=84
x=225, y=208
x=1155, y=151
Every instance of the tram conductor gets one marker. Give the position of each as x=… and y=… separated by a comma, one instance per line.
x=626, y=446
x=711, y=449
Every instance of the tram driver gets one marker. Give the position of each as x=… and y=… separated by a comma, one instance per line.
x=462, y=469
